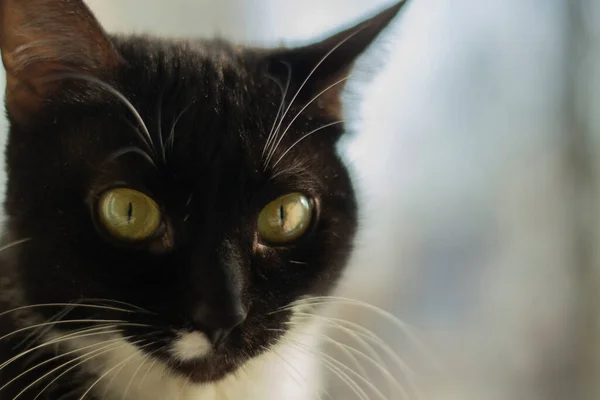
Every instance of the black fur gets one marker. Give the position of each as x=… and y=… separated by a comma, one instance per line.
x=211, y=185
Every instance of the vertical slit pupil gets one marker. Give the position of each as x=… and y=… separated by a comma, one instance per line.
x=281, y=215
x=129, y=212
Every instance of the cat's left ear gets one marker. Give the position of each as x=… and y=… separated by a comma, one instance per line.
x=326, y=65
x=42, y=38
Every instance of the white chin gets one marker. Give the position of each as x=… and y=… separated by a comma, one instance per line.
x=190, y=346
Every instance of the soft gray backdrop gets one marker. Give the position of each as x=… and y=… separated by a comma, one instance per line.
x=474, y=150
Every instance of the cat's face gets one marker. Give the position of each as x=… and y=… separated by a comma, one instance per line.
x=170, y=176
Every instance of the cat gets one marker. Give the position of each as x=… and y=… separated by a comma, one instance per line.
x=174, y=209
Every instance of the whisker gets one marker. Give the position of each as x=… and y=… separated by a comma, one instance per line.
x=61, y=314
x=70, y=336
x=343, y=376
x=362, y=332
x=38, y=333
x=402, y=326
x=134, y=150
x=134, y=127
x=351, y=352
x=187, y=206
x=160, y=132
x=278, y=142
x=110, y=382
x=123, y=303
x=340, y=346
x=297, y=262
x=26, y=349
x=86, y=359
x=74, y=321
x=304, y=137
x=272, y=133
x=184, y=387
x=350, y=36
x=55, y=342
x=368, y=348
x=118, y=95
x=13, y=244
x=286, y=363
x=112, y=369
x=137, y=371
x=54, y=359
x=348, y=370
x=147, y=372
x=171, y=139
x=65, y=305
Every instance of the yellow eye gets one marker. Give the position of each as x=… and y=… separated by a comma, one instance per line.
x=129, y=215
x=285, y=219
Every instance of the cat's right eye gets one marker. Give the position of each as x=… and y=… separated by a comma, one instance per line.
x=129, y=215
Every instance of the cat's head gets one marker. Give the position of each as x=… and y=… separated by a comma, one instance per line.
x=195, y=180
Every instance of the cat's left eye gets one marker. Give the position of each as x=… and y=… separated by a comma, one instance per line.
x=129, y=215
x=285, y=219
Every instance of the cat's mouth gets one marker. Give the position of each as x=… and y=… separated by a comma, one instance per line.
x=195, y=357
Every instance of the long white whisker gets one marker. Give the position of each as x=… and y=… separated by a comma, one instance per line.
x=74, y=321
x=286, y=363
x=147, y=372
x=350, y=371
x=343, y=376
x=304, y=137
x=330, y=300
x=351, y=352
x=71, y=336
x=110, y=382
x=160, y=132
x=361, y=333
x=343, y=348
x=123, y=303
x=356, y=32
x=368, y=348
x=13, y=244
x=88, y=358
x=38, y=333
x=112, y=369
x=118, y=95
x=65, y=305
x=272, y=133
x=171, y=139
x=41, y=378
x=54, y=359
x=55, y=342
x=67, y=308
x=137, y=371
x=278, y=142
x=134, y=150
x=184, y=387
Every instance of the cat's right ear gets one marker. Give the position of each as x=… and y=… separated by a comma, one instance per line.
x=41, y=39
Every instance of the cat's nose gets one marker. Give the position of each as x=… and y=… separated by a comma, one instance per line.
x=218, y=326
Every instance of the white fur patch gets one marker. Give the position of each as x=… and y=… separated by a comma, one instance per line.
x=190, y=346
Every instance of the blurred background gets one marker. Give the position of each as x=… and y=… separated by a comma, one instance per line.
x=474, y=149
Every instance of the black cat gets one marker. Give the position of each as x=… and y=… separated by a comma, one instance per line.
x=170, y=204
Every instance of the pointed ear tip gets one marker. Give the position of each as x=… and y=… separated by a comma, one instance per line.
x=393, y=10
